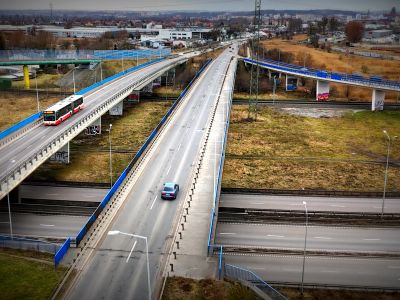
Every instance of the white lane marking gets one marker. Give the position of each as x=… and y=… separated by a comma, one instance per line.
x=130, y=253
x=273, y=235
x=329, y=271
x=322, y=237
x=295, y=204
x=179, y=147
x=255, y=202
x=13, y=161
x=29, y=146
x=54, y=194
x=169, y=169
x=335, y=205
x=47, y=225
x=154, y=201
x=89, y=196
x=42, y=137
x=371, y=239
x=227, y=233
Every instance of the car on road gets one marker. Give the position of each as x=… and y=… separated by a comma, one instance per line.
x=170, y=191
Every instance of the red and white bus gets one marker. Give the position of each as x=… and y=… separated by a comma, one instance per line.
x=62, y=110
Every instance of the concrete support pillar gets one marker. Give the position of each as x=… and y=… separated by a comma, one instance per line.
x=272, y=74
x=322, y=90
x=148, y=88
x=378, y=99
x=117, y=109
x=134, y=97
x=26, y=76
x=94, y=128
x=157, y=82
x=62, y=155
x=291, y=83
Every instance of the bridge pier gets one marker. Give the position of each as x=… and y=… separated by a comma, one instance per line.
x=378, y=99
x=272, y=74
x=26, y=76
x=117, y=109
x=61, y=155
x=291, y=83
x=322, y=90
x=94, y=128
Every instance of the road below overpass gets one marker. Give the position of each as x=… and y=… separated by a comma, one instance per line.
x=116, y=268
x=41, y=226
x=319, y=238
x=273, y=202
x=322, y=271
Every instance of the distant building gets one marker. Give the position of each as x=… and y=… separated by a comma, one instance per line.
x=373, y=34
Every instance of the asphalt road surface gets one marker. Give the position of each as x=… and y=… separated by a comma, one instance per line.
x=117, y=268
x=342, y=271
x=66, y=193
x=45, y=226
x=319, y=238
x=18, y=151
x=368, y=205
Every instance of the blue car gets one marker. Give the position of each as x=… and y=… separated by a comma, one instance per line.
x=170, y=191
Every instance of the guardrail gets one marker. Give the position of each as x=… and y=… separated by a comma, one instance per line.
x=15, y=55
x=14, y=128
x=131, y=164
x=221, y=162
x=330, y=193
x=242, y=275
x=14, y=242
x=374, y=81
x=61, y=252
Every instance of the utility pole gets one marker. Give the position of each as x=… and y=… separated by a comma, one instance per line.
x=255, y=53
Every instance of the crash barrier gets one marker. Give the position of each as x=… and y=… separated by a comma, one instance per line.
x=19, y=125
x=31, y=54
x=123, y=175
x=38, y=115
x=373, y=81
x=220, y=169
x=253, y=280
x=61, y=252
x=14, y=242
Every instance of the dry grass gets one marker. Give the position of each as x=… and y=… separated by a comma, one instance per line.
x=289, y=152
x=14, y=108
x=337, y=62
x=179, y=288
x=90, y=157
x=112, y=67
x=317, y=294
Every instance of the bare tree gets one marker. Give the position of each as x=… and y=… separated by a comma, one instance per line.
x=354, y=31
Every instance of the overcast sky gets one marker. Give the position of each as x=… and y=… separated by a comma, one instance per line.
x=209, y=5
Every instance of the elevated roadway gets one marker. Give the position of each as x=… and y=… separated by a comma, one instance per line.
x=21, y=156
x=114, y=267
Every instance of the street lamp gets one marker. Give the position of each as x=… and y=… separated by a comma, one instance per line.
x=305, y=245
x=101, y=71
x=116, y=232
x=73, y=77
x=386, y=169
x=37, y=94
x=9, y=212
x=109, y=139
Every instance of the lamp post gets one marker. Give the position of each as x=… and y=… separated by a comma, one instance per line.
x=37, y=94
x=109, y=139
x=116, y=232
x=305, y=245
x=73, y=77
x=389, y=140
x=101, y=71
x=9, y=212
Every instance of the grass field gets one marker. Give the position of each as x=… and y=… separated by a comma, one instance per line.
x=292, y=152
x=339, y=62
x=23, y=277
x=89, y=154
x=179, y=288
x=14, y=108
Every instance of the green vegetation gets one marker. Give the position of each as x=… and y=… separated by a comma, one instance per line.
x=89, y=154
x=180, y=288
x=292, y=152
x=23, y=277
x=14, y=108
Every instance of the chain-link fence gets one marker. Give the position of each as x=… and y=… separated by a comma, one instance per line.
x=27, y=244
x=31, y=54
x=236, y=273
